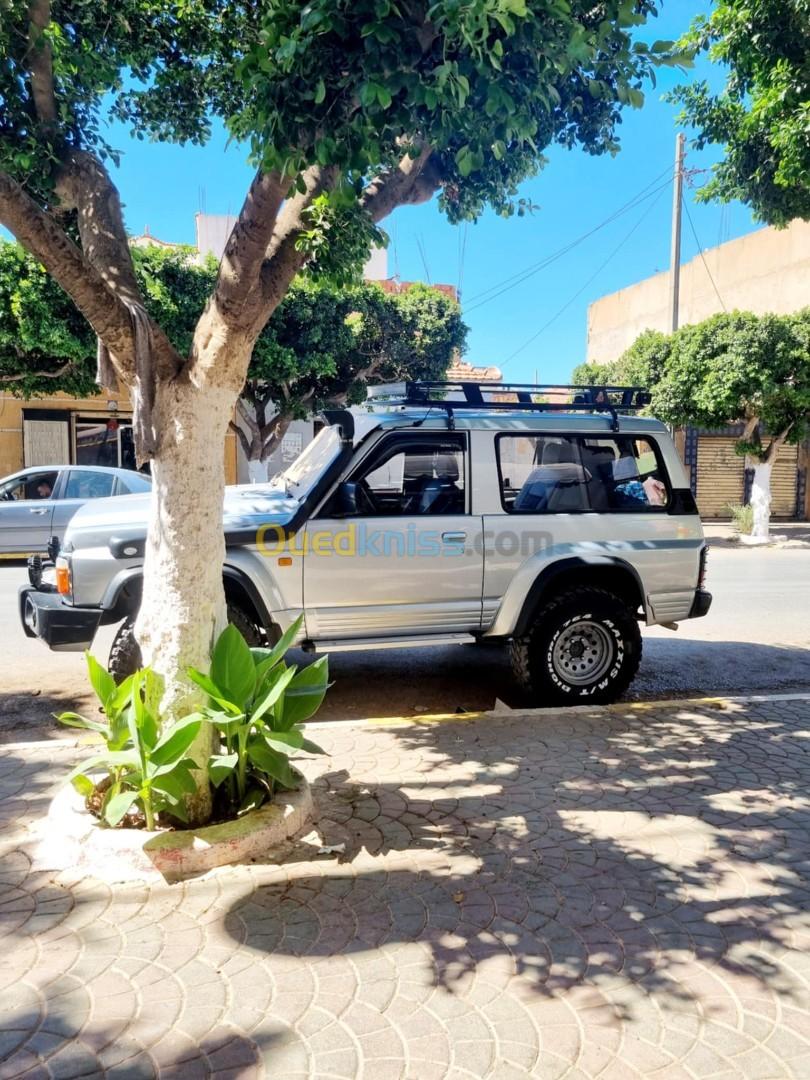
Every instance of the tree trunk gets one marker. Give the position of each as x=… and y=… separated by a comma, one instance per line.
x=183, y=605
x=257, y=470
x=761, y=499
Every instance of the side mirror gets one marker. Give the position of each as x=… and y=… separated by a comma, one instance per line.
x=346, y=502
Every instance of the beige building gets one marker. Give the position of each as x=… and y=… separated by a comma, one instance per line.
x=765, y=271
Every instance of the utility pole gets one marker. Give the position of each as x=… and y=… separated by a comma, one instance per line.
x=675, y=258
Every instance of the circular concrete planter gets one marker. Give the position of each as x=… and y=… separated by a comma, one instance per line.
x=72, y=839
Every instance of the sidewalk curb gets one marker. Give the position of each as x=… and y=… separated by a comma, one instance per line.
x=426, y=719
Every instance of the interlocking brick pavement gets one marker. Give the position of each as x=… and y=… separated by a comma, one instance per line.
x=599, y=893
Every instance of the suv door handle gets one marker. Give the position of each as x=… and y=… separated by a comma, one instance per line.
x=38, y=510
x=454, y=537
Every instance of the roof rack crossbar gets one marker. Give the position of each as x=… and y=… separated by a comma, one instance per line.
x=470, y=395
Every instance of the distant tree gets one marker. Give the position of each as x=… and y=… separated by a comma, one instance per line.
x=323, y=346
x=735, y=367
x=761, y=117
x=640, y=365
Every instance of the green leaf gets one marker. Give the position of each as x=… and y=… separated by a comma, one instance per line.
x=284, y=741
x=214, y=693
x=84, y=785
x=117, y=807
x=175, y=784
x=305, y=693
x=220, y=766
x=108, y=761
x=253, y=800
x=264, y=659
x=273, y=694
x=311, y=747
x=72, y=719
x=174, y=742
x=320, y=91
x=232, y=667
x=100, y=679
x=271, y=763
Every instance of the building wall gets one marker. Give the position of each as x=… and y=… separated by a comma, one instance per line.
x=765, y=271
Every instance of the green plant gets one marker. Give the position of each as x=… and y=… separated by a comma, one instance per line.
x=743, y=518
x=145, y=760
x=258, y=704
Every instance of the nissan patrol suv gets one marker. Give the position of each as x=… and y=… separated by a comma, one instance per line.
x=447, y=512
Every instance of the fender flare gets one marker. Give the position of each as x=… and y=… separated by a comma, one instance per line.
x=593, y=566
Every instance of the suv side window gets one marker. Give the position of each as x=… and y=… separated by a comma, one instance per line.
x=424, y=476
x=558, y=474
x=541, y=474
x=623, y=473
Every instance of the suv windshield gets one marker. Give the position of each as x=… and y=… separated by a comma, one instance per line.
x=302, y=475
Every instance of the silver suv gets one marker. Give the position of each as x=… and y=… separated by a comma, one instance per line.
x=452, y=513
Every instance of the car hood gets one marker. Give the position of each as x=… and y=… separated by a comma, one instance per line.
x=245, y=507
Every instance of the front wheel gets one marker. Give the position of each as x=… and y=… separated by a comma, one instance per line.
x=584, y=647
x=125, y=653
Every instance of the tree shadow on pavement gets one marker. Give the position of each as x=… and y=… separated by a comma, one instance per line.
x=640, y=854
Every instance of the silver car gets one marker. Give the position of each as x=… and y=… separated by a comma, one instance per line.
x=37, y=503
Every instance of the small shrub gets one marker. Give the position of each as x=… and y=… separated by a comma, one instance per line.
x=144, y=764
x=742, y=517
x=258, y=705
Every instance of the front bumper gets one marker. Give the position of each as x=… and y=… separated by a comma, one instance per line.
x=701, y=604
x=63, y=628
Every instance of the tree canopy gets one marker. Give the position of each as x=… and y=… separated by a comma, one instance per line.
x=322, y=345
x=761, y=117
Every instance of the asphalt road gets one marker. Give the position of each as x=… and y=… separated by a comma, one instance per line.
x=756, y=638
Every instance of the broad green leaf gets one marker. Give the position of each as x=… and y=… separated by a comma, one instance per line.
x=84, y=785
x=253, y=800
x=214, y=692
x=232, y=667
x=264, y=659
x=220, y=766
x=320, y=91
x=311, y=747
x=305, y=693
x=100, y=679
x=117, y=806
x=284, y=741
x=72, y=719
x=273, y=694
x=108, y=761
x=173, y=743
x=272, y=763
x=175, y=784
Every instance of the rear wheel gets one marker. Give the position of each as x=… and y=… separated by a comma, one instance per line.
x=584, y=647
x=125, y=653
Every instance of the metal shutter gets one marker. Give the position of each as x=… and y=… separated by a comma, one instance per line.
x=784, y=477
x=720, y=475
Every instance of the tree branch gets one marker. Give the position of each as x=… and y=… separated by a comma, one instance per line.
x=247, y=245
x=87, y=287
x=244, y=415
x=243, y=439
x=63, y=370
x=278, y=427
x=414, y=180
x=776, y=444
x=40, y=62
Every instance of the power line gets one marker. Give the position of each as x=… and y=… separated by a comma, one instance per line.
x=585, y=285
x=462, y=253
x=494, y=291
x=423, y=256
x=702, y=256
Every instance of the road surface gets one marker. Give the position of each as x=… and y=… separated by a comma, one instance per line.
x=756, y=638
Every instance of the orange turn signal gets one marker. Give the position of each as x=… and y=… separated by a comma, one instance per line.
x=285, y=560
x=62, y=579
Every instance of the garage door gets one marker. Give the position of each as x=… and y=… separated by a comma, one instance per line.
x=720, y=476
x=783, y=482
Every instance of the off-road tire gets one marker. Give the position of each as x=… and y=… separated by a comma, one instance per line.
x=537, y=667
x=125, y=653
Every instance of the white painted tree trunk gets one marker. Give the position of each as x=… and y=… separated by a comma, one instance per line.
x=183, y=606
x=761, y=500
x=257, y=471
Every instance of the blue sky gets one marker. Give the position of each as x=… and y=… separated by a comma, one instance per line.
x=162, y=187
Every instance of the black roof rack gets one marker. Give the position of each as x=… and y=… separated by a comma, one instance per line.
x=478, y=395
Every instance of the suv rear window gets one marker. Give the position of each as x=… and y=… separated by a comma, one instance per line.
x=561, y=474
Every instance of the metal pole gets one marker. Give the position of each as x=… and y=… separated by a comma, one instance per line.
x=675, y=258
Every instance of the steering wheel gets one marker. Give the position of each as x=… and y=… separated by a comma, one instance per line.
x=366, y=502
